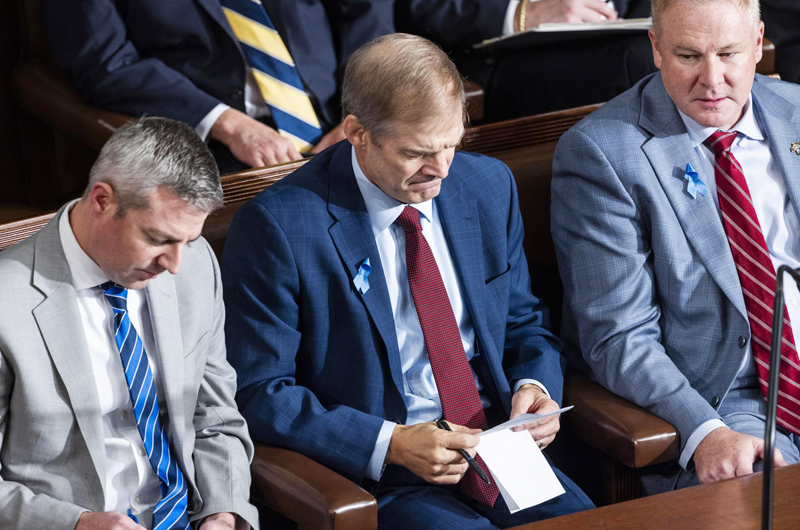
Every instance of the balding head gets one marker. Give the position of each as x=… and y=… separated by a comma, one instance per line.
x=400, y=78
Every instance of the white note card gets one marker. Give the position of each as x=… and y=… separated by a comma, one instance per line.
x=522, y=474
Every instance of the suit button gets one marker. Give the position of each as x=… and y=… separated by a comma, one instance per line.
x=714, y=401
x=236, y=93
x=742, y=341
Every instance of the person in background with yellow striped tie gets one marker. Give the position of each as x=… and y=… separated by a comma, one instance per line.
x=258, y=80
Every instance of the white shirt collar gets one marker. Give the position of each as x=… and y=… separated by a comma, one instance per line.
x=748, y=126
x=383, y=209
x=85, y=272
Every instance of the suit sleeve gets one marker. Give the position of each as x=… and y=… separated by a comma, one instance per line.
x=531, y=350
x=602, y=241
x=223, y=450
x=452, y=24
x=265, y=343
x=20, y=507
x=88, y=38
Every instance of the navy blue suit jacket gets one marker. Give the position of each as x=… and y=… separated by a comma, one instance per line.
x=317, y=361
x=179, y=58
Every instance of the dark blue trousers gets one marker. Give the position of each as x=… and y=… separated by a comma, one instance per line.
x=406, y=502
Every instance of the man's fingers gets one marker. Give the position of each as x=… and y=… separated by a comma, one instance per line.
x=460, y=440
x=779, y=461
x=743, y=467
x=602, y=8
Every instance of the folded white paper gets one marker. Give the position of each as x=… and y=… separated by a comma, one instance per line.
x=522, y=418
x=517, y=465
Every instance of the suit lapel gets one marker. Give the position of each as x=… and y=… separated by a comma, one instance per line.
x=781, y=130
x=162, y=301
x=669, y=150
x=60, y=324
x=214, y=9
x=352, y=235
x=461, y=225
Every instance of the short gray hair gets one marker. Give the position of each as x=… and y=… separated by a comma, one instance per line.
x=658, y=7
x=400, y=77
x=150, y=153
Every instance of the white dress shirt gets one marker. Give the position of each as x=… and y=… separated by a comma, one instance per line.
x=419, y=386
x=129, y=481
x=776, y=216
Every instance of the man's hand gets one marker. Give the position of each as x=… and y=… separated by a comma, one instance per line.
x=251, y=141
x=530, y=399
x=219, y=521
x=432, y=453
x=106, y=521
x=335, y=135
x=570, y=11
x=725, y=453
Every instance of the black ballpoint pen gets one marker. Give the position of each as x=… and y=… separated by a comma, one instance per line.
x=471, y=461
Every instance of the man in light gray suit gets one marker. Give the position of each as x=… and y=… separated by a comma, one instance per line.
x=668, y=234
x=116, y=400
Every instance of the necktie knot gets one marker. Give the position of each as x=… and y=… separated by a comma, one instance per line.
x=409, y=220
x=721, y=141
x=116, y=295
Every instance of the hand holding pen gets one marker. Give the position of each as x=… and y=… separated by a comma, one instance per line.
x=471, y=461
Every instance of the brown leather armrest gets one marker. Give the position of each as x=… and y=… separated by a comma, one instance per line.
x=618, y=428
x=309, y=493
x=48, y=96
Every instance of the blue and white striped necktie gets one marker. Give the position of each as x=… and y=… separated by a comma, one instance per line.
x=170, y=512
x=274, y=72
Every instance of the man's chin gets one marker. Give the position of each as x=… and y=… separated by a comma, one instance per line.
x=721, y=117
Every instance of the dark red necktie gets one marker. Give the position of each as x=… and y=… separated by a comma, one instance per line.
x=757, y=277
x=458, y=393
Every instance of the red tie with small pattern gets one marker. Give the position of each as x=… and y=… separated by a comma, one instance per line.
x=461, y=403
x=757, y=277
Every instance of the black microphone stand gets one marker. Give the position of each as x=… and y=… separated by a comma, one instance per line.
x=772, y=397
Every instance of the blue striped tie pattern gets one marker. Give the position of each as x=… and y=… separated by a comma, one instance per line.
x=170, y=512
x=274, y=72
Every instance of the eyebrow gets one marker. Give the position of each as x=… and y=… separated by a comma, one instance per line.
x=425, y=152
x=686, y=49
x=158, y=234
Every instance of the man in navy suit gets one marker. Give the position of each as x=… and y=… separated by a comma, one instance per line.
x=534, y=79
x=348, y=327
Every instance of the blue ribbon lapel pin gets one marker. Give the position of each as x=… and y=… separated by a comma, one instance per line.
x=693, y=183
x=361, y=281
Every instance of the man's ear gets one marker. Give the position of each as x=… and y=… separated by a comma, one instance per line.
x=654, y=43
x=354, y=131
x=102, y=200
x=759, y=41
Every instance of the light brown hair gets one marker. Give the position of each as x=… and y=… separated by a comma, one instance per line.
x=658, y=7
x=400, y=77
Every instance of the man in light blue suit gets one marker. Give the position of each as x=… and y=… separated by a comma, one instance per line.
x=649, y=219
x=340, y=354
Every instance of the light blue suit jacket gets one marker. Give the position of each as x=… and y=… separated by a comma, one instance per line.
x=318, y=361
x=651, y=288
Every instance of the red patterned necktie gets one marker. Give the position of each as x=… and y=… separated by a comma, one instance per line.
x=757, y=277
x=458, y=393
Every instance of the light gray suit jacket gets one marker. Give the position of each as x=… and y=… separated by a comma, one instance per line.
x=651, y=288
x=51, y=432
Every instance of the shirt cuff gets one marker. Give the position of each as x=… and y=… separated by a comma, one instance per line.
x=509, y=23
x=521, y=382
x=378, y=458
x=204, y=127
x=694, y=440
